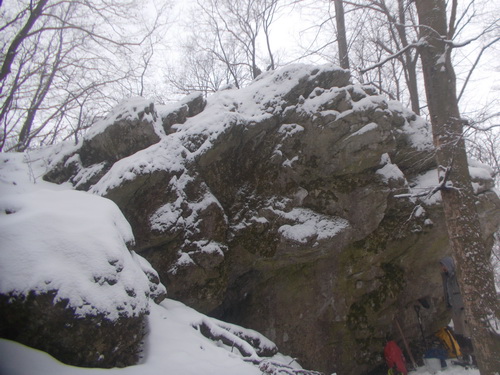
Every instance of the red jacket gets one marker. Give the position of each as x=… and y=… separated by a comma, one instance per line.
x=394, y=357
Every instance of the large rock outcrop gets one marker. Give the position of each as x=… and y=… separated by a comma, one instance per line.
x=284, y=207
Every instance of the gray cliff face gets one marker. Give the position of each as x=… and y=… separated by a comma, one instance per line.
x=276, y=207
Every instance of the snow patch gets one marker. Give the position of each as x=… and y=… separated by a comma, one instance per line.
x=289, y=130
x=426, y=182
x=310, y=225
x=416, y=128
x=289, y=162
x=390, y=172
x=368, y=127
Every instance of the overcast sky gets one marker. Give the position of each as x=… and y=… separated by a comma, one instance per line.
x=289, y=33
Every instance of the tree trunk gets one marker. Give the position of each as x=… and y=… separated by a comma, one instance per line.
x=413, y=85
x=411, y=63
x=267, y=19
x=472, y=258
x=26, y=134
x=341, y=34
x=23, y=34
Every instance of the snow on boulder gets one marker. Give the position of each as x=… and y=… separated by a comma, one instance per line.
x=131, y=126
x=68, y=283
x=481, y=176
x=177, y=113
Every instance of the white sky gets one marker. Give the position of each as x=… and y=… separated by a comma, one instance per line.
x=289, y=33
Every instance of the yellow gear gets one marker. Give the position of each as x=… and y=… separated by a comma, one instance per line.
x=449, y=343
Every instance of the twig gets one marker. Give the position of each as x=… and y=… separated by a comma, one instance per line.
x=28, y=161
x=474, y=66
x=393, y=56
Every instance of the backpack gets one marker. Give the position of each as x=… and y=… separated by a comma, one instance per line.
x=449, y=342
x=395, y=359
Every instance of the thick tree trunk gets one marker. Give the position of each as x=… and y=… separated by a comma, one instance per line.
x=474, y=269
x=413, y=85
x=341, y=34
x=410, y=62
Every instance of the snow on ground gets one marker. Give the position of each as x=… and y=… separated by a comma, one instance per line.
x=57, y=238
x=172, y=346
x=450, y=370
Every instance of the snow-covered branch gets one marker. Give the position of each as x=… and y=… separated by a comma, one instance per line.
x=393, y=56
x=428, y=193
x=275, y=368
x=250, y=344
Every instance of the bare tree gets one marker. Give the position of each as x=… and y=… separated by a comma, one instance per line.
x=394, y=26
x=232, y=37
x=58, y=56
x=200, y=71
x=341, y=34
x=319, y=40
x=34, y=14
x=268, y=13
x=474, y=269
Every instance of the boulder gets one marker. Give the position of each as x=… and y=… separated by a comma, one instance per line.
x=41, y=321
x=78, y=294
x=177, y=113
x=290, y=207
x=129, y=127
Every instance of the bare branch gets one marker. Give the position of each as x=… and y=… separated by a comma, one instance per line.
x=393, y=56
x=23, y=34
x=476, y=62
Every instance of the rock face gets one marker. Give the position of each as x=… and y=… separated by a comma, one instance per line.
x=131, y=130
x=282, y=207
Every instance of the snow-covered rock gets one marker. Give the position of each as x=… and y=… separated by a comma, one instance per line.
x=68, y=283
x=288, y=206
x=175, y=344
x=131, y=126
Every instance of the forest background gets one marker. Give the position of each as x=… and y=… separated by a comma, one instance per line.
x=72, y=62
